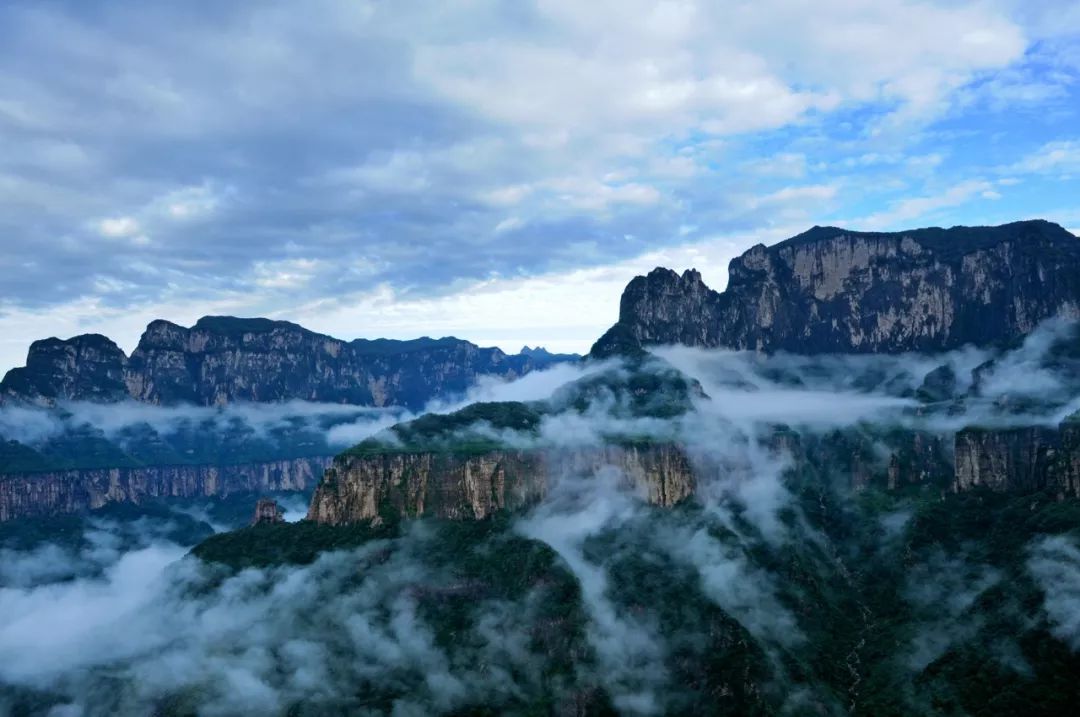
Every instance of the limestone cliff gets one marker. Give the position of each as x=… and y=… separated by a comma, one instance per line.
x=462, y=487
x=834, y=290
x=87, y=367
x=73, y=491
x=267, y=512
x=224, y=359
x=1026, y=459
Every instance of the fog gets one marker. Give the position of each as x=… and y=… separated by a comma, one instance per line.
x=1055, y=564
x=337, y=426
x=108, y=625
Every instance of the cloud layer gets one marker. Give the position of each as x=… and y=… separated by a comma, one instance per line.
x=112, y=627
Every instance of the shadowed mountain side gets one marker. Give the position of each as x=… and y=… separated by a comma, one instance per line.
x=222, y=359
x=832, y=290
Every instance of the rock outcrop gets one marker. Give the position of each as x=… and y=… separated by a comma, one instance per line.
x=267, y=512
x=470, y=487
x=831, y=290
x=73, y=491
x=1025, y=459
x=224, y=359
x=88, y=367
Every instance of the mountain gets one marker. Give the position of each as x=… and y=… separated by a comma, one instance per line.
x=832, y=290
x=907, y=545
x=174, y=419
x=222, y=359
x=58, y=492
x=542, y=354
x=883, y=521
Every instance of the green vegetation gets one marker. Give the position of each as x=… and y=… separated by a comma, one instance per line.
x=286, y=543
x=387, y=347
x=217, y=440
x=472, y=430
x=466, y=570
x=128, y=525
x=649, y=389
x=235, y=326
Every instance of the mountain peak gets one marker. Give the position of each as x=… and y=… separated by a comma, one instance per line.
x=835, y=290
x=234, y=324
x=963, y=238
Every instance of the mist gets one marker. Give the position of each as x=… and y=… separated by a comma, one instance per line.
x=143, y=615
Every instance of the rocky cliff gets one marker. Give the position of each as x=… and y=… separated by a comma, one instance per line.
x=74, y=491
x=267, y=512
x=463, y=487
x=225, y=359
x=834, y=290
x=1026, y=459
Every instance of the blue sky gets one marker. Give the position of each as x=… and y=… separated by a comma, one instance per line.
x=494, y=170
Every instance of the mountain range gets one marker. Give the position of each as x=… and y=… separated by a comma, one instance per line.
x=831, y=290
x=847, y=484
x=223, y=359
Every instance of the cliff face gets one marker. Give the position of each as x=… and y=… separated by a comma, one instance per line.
x=78, y=490
x=88, y=367
x=267, y=512
x=833, y=290
x=461, y=487
x=472, y=487
x=1020, y=459
x=225, y=359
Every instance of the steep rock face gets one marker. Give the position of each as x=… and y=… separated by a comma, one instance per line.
x=72, y=491
x=1017, y=459
x=1069, y=477
x=267, y=512
x=833, y=290
x=87, y=367
x=464, y=487
x=225, y=359
x=218, y=361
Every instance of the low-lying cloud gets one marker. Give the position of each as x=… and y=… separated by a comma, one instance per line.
x=358, y=623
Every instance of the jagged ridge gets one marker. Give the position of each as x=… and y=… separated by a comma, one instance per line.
x=222, y=359
x=831, y=290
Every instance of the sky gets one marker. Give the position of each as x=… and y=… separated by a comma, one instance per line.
x=494, y=170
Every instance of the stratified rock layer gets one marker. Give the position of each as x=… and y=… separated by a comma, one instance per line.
x=831, y=290
x=267, y=512
x=78, y=490
x=224, y=359
x=1026, y=459
x=464, y=487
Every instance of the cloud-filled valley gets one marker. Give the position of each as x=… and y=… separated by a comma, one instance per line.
x=275, y=438
x=589, y=597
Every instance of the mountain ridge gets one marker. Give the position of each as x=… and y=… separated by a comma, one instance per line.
x=832, y=290
x=222, y=359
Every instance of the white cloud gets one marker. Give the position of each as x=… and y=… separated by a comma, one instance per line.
x=188, y=203
x=812, y=192
x=118, y=227
x=909, y=210
x=286, y=274
x=788, y=165
x=1058, y=157
x=723, y=68
x=509, y=224
x=413, y=142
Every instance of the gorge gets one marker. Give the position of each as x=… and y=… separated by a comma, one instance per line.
x=833, y=488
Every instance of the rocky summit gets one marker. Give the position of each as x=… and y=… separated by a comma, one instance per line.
x=831, y=290
x=222, y=359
